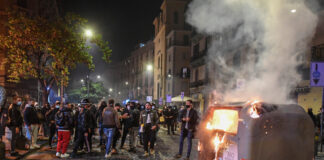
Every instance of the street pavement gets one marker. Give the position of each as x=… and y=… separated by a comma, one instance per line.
x=166, y=148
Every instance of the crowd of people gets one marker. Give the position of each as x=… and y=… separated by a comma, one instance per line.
x=75, y=124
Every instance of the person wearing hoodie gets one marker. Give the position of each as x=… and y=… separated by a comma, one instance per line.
x=64, y=122
x=82, y=127
x=31, y=123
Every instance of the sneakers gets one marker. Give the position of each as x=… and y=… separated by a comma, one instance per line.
x=177, y=156
x=152, y=152
x=36, y=146
x=146, y=154
x=65, y=155
x=14, y=154
x=108, y=155
x=32, y=147
x=58, y=154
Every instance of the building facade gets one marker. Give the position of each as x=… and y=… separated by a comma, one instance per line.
x=171, y=51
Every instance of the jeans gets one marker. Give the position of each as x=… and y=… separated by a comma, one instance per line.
x=101, y=134
x=32, y=133
x=109, y=132
x=133, y=133
x=52, y=129
x=81, y=139
x=63, y=139
x=90, y=137
x=115, y=139
x=170, y=125
x=189, y=134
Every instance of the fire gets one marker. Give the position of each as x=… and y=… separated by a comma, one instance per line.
x=218, y=140
x=225, y=120
x=253, y=110
x=199, y=146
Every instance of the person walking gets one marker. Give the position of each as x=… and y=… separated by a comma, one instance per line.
x=189, y=118
x=149, y=120
x=127, y=122
x=102, y=106
x=117, y=135
x=64, y=121
x=92, y=123
x=133, y=131
x=15, y=122
x=83, y=128
x=168, y=114
x=44, y=110
x=31, y=124
x=110, y=123
x=51, y=121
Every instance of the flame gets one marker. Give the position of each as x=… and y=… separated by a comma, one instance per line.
x=199, y=146
x=253, y=110
x=225, y=120
x=218, y=140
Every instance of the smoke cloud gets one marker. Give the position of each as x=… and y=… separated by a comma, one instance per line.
x=268, y=39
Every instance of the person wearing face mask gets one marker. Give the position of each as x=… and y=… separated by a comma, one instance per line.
x=149, y=119
x=127, y=122
x=31, y=123
x=51, y=121
x=189, y=118
x=15, y=122
x=133, y=131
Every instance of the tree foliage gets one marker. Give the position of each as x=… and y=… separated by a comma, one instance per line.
x=96, y=92
x=47, y=49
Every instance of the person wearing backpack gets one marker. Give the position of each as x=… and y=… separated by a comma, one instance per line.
x=64, y=121
x=133, y=131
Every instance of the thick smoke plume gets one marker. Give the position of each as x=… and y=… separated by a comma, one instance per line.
x=268, y=39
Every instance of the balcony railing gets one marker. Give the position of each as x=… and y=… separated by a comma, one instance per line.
x=198, y=83
x=177, y=43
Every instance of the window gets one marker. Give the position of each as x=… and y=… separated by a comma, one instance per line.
x=169, y=72
x=184, y=56
x=185, y=72
x=186, y=40
x=196, y=75
x=175, y=17
x=168, y=87
x=196, y=50
x=169, y=58
x=158, y=90
x=159, y=63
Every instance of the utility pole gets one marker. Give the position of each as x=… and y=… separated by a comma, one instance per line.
x=88, y=86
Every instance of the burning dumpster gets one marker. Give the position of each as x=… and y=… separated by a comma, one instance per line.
x=256, y=131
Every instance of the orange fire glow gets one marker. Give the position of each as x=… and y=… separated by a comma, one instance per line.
x=225, y=120
x=253, y=111
x=218, y=140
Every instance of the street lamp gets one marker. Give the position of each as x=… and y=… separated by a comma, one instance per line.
x=119, y=93
x=98, y=77
x=82, y=80
x=138, y=88
x=110, y=89
x=149, y=67
x=126, y=83
x=169, y=75
x=88, y=33
x=293, y=11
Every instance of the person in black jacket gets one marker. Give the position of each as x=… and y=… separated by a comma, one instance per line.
x=51, y=121
x=15, y=122
x=82, y=127
x=102, y=106
x=64, y=122
x=168, y=114
x=92, y=122
x=189, y=118
x=127, y=121
x=31, y=123
x=44, y=110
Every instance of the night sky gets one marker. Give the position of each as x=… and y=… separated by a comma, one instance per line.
x=123, y=23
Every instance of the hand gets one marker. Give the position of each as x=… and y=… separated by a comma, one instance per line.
x=86, y=134
x=153, y=127
x=17, y=130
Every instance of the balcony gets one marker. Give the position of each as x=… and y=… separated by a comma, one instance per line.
x=198, y=83
x=198, y=59
x=178, y=43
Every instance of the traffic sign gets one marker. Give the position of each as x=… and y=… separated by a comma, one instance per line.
x=182, y=95
x=161, y=101
x=317, y=74
x=169, y=98
x=149, y=99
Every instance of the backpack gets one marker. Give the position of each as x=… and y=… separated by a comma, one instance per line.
x=60, y=121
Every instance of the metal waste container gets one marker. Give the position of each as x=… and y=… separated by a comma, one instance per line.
x=256, y=131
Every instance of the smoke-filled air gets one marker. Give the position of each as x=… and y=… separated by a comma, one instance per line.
x=256, y=45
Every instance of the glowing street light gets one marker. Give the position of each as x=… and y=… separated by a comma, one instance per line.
x=110, y=89
x=169, y=75
x=138, y=88
x=126, y=83
x=293, y=11
x=98, y=77
x=149, y=67
x=82, y=80
x=88, y=33
x=119, y=93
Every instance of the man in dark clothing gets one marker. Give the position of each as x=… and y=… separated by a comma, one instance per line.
x=64, y=122
x=83, y=127
x=117, y=135
x=15, y=122
x=127, y=122
x=44, y=110
x=51, y=121
x=168, y=114
x=175, y=117
x=31, y=124
x=110, y=122
x=92, y=122
x=102, y=106
x=189, y=118
x=149, y=119
x=133, y=131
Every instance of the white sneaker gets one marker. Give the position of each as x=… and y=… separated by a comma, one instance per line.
x=65, y=155
x=58, y=154
x=32, y=147
x=108, y=155
x=36, y=146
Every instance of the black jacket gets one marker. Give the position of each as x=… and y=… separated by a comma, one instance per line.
x=99, y=113
x=50, y=116
x=83, y=122
x=68, y=119
x=127, y=121
x=193, y=115
x=15, y=118
x=30, y=115
x=93, y=117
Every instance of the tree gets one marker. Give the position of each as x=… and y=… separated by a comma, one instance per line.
x=96, y=92
x=47, y=49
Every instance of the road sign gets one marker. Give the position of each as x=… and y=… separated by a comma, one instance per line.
x=169, y=98
x=149, y=98
x=317, y=74
x=161, y=101
x=182, y=95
